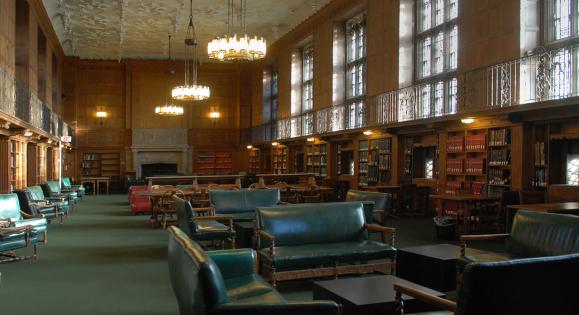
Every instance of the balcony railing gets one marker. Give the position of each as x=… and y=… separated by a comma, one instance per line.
x=16, y=100
x=543, y=76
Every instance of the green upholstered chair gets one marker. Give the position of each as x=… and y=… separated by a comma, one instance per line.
x=61, y=202
x=10, y=211
x=376, y=204
x=13, y=238
x=241, y=204
x=201, y=225
x=67, y=186
x=303, y=237
x=541, y=285
x=52, y=189
x=35, y=208
x=225, y=282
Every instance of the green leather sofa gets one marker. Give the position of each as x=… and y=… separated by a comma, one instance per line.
x=52, y=189
x=67, y=186
x=533, y=234
x=322, y=239
x=225, y=282
x=201, y=225
x=376, y=204
x=61, y=202
x=10, y=211
x=241, y=204
x=542, y=285
x=36, y=208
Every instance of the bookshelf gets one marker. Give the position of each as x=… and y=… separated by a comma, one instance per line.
x=214, y=162
x=379, y=161
x=363, y=146
x=105, y=164
x=539, y=180
x=407, y=159
x=466, y=156
x=40, y=164
x=279, y=159
x=317, y=159
x=253, y=161
x=17, y=164
x=499, y=159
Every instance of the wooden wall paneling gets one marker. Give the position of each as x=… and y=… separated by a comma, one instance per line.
x=7, y=33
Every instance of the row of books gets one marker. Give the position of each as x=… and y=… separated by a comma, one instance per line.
x=499, y=177
x=376, y=175
x=474, y=166
x=455, y=144
x=500, y=136
x=382, y=145
x=453, y=186
x=500, y=157
x=476, y=142
x=363, y=156
x=540, y=154
x=383, y=161
x=454, y=166
x=89, y=164
x=90, y=157
x=539, y=178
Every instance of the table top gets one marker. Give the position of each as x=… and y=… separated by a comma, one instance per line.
x=161, y=192
x=370, y=290
x=287, y=175
x=561, y=207
x=438, y=251
x=469, y=197
x=95, y=178
x=191, y=177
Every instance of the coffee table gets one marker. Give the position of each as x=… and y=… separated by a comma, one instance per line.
x=370, y=295
x=433, y=266
x=243, y=234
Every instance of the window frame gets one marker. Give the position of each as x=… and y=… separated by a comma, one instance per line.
x=355, y=81
x=548, y=28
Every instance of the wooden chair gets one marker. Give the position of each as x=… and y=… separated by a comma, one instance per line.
x=167, y=207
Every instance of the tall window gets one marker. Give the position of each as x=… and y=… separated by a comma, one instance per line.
x=436, y=59
x=562, y=18
x=307, y=89
x=355, y=71
x=270, y=98
x=274, y=94
x=573, y=169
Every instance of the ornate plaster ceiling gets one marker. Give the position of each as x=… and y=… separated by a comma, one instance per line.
x=138, y=29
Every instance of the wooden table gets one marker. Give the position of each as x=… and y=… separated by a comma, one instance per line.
x=370, y=295
x=96, y=181
x=192, y=178
x=156, y=194
x=560, y=207
x=463, y=202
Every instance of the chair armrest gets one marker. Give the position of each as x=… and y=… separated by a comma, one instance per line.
x=5, y=223
x=313, y=307
x=270, y=238
x=284, y=203
x=481, y=237
x=422, y=296
x=234, y=262
x=384, y=230
x=30, y=216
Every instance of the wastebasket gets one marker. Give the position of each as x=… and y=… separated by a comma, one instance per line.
x=445, y=228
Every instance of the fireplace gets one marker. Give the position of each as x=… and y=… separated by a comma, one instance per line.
x=158, y=169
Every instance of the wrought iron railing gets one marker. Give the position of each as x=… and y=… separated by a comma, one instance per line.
x=543, y=76
x=17, y=100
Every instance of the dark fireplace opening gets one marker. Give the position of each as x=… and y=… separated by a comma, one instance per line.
x=158, y=169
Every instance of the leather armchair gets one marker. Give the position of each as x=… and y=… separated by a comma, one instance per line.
x=294, y=240
x=139, y=204
x=67, y=186
x=542, y=285
x=52, y=189
x=13, y=238
x=241, y=204
x=201, y=224
x=60, y=202
x=36, y=208
x=376, y=204
x=10, y=212
x=225, y=282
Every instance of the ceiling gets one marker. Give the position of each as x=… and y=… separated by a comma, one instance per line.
x=138, y=29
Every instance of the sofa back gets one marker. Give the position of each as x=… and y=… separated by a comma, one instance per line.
x=562, y=193
x=247, y=200
x=184, y=216
x=543, y=234
x=53, y=187
x=10, y=207
x=314, y=223
x=542, y=285
x=66, y=182
x=36, y=193
x=195, y=277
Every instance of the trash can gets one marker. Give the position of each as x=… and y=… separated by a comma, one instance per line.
x=445, y=228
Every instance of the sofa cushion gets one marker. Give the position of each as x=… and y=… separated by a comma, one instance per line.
x=39, y=224
x=543, y=234
x=235, y=201
x=302, y=224
x=10, y=207
x=323, y=253
x=210, y=230
x=251, y=287
x=461, y=262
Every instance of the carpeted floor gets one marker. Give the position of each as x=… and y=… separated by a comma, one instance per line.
x=104, y=260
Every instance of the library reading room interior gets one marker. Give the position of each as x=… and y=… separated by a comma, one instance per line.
x=289, y=157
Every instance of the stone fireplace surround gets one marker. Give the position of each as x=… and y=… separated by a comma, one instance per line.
x=156, y=145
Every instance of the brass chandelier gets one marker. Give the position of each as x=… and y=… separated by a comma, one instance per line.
x=230, y=46
x=168, y=109
x=190, y=90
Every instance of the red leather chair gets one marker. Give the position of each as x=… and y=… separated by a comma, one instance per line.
x=139, y=204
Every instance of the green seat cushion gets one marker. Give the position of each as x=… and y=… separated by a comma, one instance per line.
x=39, y=224
x=461, y=262
x=324, y=253
x=272, y=297
x=208, y=230
x=249, y=286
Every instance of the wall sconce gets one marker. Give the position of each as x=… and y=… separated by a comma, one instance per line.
x=468, y=120
x=367, y=132
x=27, y=133
x=311, y=139
x=214, y=115
x=249, y=147
x=275, y=144
x=101, y=115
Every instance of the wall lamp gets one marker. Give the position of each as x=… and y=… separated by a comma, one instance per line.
x=467, y=120
x=101, y=115
x=367, y=132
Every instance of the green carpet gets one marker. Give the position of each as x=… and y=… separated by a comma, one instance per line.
x=104, y=260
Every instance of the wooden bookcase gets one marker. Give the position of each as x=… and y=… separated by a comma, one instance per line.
x=279, y=159
x=379, y=161
x=540, y=175
x=317, y=159
x=106, y=164
x=214, y=162
x=466, y=154
x=363, y=146
x=499, y=159
x=18, y=166
x=253, y=161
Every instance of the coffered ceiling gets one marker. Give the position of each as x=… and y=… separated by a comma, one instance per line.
x=138, y=29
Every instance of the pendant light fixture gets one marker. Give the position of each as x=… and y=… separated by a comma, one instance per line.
x=190, y=90
x=168, y=109
x=231, y=47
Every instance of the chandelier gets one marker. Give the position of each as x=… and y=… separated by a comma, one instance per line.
x=168, y=109
x=191, y=91
x=231, y=47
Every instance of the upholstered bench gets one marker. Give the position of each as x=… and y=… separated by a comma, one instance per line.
x=322, y=239
x=533, y=234
x=241, y=204
x=376, y=204
x=10, y=212
x=225, y=282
